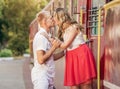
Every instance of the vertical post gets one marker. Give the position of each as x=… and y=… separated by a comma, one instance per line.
x=59, y=3
x=98, y=50
x=64, y=4
x=81, y=16
x=52, y=6
x=78, y=11
x=71, y=7
x=89, y=5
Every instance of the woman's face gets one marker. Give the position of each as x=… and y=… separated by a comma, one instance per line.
x=56, y=20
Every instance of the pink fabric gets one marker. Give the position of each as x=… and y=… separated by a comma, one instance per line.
x=80, y=66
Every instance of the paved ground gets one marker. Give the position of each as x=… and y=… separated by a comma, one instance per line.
x=15, y=74
x=59, y=74
x=11, y=74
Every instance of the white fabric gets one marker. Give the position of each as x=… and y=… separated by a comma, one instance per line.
x=39, y=27
x=42, y=74
x=77, y=41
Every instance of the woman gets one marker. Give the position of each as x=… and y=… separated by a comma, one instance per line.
x=80, y=64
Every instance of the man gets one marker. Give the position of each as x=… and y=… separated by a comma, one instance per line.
x=43, y=70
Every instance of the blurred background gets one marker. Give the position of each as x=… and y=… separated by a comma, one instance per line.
x=15, y=17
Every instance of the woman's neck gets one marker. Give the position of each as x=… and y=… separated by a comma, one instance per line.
x=66, y=25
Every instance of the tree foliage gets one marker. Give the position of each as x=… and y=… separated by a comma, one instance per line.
x=16, y=15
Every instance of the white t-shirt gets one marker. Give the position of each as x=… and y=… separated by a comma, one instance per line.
x=44, y=72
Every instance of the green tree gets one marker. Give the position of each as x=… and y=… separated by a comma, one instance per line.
x=19, y=14
x=3, y=35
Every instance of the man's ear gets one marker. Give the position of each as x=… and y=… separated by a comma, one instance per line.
x=44, y=21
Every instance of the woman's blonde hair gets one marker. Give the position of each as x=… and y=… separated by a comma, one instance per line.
x=63, y=16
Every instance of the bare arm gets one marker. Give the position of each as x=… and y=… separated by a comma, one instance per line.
x=58, y=55
x=72, y=34
x=43, y=56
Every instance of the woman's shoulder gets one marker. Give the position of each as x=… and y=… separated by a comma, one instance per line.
x=73, y=26
x=78, y=27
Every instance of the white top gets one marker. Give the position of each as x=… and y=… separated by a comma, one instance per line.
x=46, y=70
x=78, y=39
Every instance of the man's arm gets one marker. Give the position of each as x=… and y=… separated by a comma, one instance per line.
x=43, y=56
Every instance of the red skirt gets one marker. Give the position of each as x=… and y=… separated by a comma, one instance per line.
x=79, y=66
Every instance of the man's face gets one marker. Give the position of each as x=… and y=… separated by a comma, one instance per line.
x=56, y=21
x=50, y=22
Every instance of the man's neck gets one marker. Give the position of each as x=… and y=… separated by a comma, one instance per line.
x=46, y=28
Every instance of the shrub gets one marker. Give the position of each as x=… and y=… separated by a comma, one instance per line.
x=6, y=53
x=27, y=50
x=18, y=46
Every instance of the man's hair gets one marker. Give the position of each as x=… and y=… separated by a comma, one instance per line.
x=42, y=15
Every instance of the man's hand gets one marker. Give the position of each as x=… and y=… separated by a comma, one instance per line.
x=56, y=43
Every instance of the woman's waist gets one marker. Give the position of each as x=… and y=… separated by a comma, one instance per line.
x=74, y=46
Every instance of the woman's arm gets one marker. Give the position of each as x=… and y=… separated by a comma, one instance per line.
x=71, y=36
x=58, y=55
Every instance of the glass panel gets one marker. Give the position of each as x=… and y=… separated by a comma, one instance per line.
x=93, y=22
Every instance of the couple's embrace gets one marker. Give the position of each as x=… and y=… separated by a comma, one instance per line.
x=80, y=67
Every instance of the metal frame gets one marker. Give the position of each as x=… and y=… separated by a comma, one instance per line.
x=105, y=7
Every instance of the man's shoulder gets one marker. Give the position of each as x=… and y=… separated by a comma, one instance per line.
x=38, y=34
